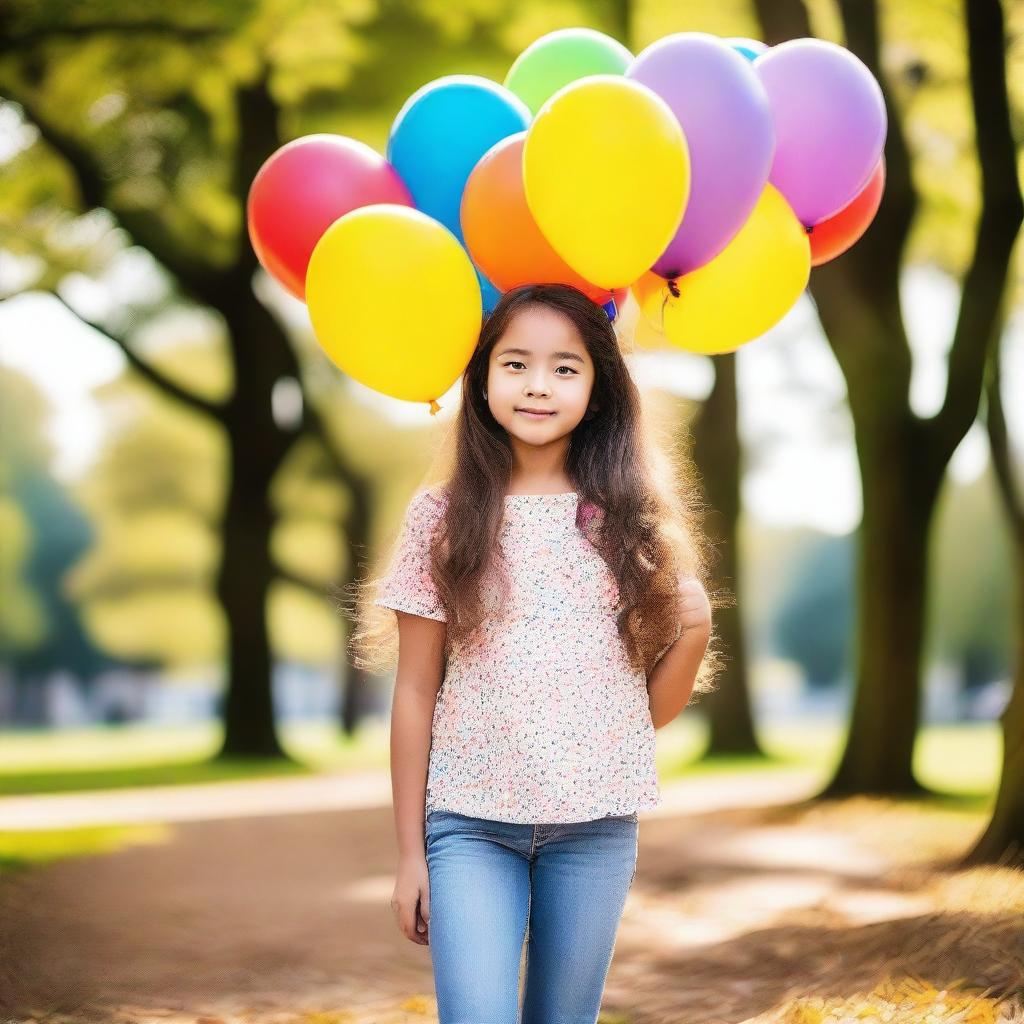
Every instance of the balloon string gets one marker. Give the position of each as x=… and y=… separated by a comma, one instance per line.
x=673, y=288
x=435, y=407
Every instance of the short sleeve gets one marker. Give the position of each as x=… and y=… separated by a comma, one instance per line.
x=408, y=585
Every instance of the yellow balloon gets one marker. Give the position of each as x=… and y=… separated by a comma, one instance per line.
x=394, y=301
x=606, y=171
x=746, y=289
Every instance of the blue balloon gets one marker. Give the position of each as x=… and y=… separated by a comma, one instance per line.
x=750, y=48
x=488, y=292
x=442, y=131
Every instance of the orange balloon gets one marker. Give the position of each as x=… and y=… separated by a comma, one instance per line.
x=500, y=232
x=831, y=237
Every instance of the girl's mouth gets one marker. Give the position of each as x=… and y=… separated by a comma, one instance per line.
x=535, y=415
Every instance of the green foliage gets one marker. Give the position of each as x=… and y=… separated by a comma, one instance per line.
x=23, y=413
x=22, y=619
x=814, y=624
x=146, y=585
x=169, y=773
x=971, y=608
x=43, y=533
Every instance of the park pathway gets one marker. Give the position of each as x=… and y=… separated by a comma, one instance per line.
x=268, y=901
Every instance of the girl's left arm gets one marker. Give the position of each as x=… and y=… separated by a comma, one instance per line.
x=670, y=683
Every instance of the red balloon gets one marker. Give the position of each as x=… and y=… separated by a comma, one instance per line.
x=302, y=189
x=501, y=234
x=834, y=235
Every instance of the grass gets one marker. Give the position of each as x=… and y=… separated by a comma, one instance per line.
x=20, y=850
x=115, y=757
x=961, y=761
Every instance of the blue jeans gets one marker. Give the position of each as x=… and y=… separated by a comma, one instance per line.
x=495, y=883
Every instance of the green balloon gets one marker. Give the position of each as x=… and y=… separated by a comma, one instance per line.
x=560, y=57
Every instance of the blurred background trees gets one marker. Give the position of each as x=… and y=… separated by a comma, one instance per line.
x=237, y=476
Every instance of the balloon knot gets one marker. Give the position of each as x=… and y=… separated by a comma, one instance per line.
x=435, y=407
x=673, y=287
x=809, y=228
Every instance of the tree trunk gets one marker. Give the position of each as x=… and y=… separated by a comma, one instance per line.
x=903, y=458
x=716, y=454
x=261, y=355
x=892, y=584
x=256, y=449
x=1003, y=839
x=242, y=586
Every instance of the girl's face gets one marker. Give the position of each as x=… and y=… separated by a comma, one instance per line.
x=539, y=363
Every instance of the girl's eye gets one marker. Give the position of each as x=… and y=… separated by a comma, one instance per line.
x=572, y=372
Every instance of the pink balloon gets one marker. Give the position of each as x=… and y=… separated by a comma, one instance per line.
x=830, y=124
x=302, y=189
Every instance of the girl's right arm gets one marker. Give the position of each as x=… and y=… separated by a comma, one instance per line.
x=421, y=645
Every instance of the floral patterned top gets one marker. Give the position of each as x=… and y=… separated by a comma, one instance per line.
x=542, y=719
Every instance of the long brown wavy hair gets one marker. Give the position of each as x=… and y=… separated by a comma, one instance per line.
x=638, y=501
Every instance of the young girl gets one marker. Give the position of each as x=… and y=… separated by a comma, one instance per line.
x=550, y=616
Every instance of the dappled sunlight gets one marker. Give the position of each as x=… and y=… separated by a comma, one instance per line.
x=736, y=918
x=905, y=1000
x=374, y=889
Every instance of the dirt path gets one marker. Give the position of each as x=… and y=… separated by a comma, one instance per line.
x=277, y=916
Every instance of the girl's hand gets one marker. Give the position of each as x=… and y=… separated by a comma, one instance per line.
x=411, y=899
x=696, y=608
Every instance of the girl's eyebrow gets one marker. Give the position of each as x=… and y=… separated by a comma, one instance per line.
x=554, y=355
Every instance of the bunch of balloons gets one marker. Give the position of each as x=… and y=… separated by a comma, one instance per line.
x=706, y=175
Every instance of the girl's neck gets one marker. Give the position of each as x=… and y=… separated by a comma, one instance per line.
x=539, y=489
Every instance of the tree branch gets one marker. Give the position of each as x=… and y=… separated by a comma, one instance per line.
x=1002, y=211
x=313, y=424
x=1000, y=446
x=287, y=576
x=145, y=228
x=149, y=372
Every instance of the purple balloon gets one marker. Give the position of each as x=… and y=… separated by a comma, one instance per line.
x=830, y=124
x=723, y=109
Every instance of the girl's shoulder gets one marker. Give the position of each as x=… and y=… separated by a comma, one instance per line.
x=431, y=499
x=425, y=509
